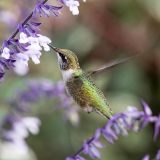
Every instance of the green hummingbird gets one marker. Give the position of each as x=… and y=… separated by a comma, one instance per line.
x=80, y=85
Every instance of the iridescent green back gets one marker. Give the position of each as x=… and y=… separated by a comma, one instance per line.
x=84, y=91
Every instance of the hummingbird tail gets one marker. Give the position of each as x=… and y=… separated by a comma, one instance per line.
x=107, y=112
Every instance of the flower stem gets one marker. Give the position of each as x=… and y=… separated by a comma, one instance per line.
x=24, y=22
x=82, y=148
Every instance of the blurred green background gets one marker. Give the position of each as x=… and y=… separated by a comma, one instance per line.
x=104, y=31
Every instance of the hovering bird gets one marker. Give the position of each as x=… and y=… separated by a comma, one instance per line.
x=79, y=84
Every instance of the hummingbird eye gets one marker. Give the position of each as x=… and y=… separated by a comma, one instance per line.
x=64, y=58
x=64, y=64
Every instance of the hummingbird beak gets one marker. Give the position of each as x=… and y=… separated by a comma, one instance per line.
x=54, y=48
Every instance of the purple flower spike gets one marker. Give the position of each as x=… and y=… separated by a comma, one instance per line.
x=117, y=125
x=147, y=157
x=1, y=67
x=98, y=144
x=5, y=64
x=16, y=125
x=91, y=150
x=109, y=135
x=147, y=117
x=36, y=24
x=146, y=108
x=30, y=42
x=97, y=134
x=120, y=124
x=47, y=10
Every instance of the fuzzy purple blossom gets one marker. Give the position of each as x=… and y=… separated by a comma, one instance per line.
x=46, y=10
x=13, y=50
x=16, y=52
x=21, y=105
x=40, y=89
x=157, y=128
x=157, y=157
x=147, y=116
x=146, y=157
x=119, y=125
x=17, y=124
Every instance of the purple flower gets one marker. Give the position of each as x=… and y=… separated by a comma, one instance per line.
x=19, y=51
x=29, y=29
x=47, y=10
x=133, y=112
x=5, y=64
x=147, y=117
x=158, y=155
x=30, y=43
x=1, y=76
x=157, y=128
x=32, y=47
x=19, y=131
x=120, y=124
x=2, y=67
x=97, y=134
x=91, y=150
x=5, y=53
x=116, y=125
x=38, y=89
x=146, y=157
x=109, y=135
x=21, y=126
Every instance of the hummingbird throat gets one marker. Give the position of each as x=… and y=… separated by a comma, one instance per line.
x=67, y=74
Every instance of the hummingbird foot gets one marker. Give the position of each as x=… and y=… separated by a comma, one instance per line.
x=102, y=114
x=88, y=109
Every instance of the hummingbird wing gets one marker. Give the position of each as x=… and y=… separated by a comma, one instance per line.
x=110, y=65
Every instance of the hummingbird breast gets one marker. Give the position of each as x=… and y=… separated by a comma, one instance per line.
x=85, y=92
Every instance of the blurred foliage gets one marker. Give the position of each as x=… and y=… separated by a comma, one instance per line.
x=104, y=30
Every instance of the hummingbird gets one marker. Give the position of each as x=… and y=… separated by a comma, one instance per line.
x=80, y=85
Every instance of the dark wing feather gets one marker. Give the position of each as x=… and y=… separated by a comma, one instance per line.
x=109, y=65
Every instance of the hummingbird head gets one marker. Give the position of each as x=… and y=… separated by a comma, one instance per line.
x=67, y=59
